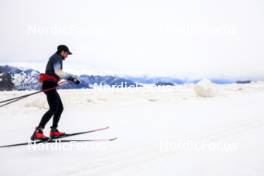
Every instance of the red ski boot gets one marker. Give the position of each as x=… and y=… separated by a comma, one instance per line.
x=55, y=133
x=38, y=135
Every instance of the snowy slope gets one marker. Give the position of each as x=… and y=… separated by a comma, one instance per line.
x=161, y=131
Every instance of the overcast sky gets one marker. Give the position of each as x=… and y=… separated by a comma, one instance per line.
x=190, y=38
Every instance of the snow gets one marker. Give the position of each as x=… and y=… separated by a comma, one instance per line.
x=205, y=88
x=1, y=74
x=160, y=130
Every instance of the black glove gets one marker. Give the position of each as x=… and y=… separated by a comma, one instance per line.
x=75, y=80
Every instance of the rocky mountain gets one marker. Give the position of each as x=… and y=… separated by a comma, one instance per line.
x=27, y=79
x=164, y=84
x=113, y=81
x=6, y=82
x=23, y=79
x=162, y=80
x=155, y=79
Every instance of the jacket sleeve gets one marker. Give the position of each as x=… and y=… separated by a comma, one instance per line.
x=59, y=72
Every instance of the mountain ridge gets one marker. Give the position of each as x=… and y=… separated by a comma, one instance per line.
x=27, y=79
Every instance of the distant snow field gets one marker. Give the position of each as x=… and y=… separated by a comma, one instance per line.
x=203, y=129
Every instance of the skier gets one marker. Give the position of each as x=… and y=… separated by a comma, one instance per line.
x=54, y=72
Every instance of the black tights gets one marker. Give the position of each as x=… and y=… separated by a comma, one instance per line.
x=55, y=107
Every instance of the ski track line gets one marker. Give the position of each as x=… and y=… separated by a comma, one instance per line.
x=140, y=156
x=234, y=130
x=104, y=166
x=98, y=162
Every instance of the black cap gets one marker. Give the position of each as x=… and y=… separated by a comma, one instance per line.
x=63, y=48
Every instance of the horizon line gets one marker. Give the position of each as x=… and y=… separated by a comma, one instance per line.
x=25, y=65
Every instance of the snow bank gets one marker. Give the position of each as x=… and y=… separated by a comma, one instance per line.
x=205, y=88
x=157, y=128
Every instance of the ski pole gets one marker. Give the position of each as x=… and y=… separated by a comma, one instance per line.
x=25, y=96
x=21, y=96
x=12, y=100
x=17, y=97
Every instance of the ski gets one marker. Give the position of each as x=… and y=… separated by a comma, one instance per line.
x=24, y=143
x=83, y=132
x=54, y=139
x=81, y=140
x=58, y=141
